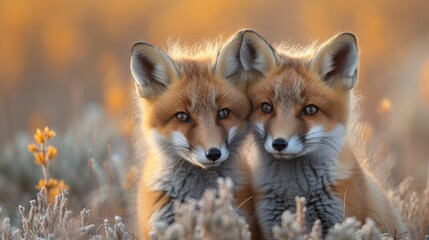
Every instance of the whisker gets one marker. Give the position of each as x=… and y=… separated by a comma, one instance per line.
x=241, y=204
x=323, y=143
x=313, y=133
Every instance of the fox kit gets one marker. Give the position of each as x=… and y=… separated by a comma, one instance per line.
x=301, y=107
x=192, y=122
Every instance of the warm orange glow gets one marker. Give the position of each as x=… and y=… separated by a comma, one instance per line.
x=385, y=106
x=62, y=42
x=114, y=98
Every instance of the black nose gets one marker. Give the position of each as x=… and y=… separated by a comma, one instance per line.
x=213, y=154
x=279, y=144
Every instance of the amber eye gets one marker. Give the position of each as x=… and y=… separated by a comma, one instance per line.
x=266, y=107
x=223, y=113
x=310, y=109
x=183, y=117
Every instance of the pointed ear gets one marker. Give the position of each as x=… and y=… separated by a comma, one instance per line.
x=152, y=69
x=336, y=61
x=244, y=58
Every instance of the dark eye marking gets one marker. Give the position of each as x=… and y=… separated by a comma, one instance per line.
x=266, y=107
x=183, y=117
x=223, y=113
x=310, y=110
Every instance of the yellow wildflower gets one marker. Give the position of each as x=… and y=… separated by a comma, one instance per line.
x=53, y=187
x=43, y=183
x=42, y=155
x=53, y=192
x=39, y=137
x=32, y=148
x=52, y=152
x=39, y=158
x=49, y=133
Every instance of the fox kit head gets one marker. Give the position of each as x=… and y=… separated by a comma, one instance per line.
x=191, y=110
x=300, y=105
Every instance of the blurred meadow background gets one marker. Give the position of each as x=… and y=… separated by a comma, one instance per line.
x=65, y=64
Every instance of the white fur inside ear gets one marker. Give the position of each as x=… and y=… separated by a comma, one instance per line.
x=256, y=54
x=349, y=62
x=151, y=68
x=337, y=60
x=246, y=51
x=137, y=71
x=160, y=74
x=232, y=64
x=228, y=61
x=327, y=65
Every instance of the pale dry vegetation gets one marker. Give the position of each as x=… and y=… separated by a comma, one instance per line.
x=44, y=220
x=213, y=217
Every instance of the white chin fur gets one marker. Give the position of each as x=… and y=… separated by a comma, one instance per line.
x=181, y=145
x=294, y=147
x=315, y=135
x=199, y=157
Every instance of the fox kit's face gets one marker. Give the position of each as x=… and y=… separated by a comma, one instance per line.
x=200, y=120
x=295, y=113
x=299, y=105
x=191, y=111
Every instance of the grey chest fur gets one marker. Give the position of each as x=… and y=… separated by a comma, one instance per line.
x=188, y=181
x=282, y=180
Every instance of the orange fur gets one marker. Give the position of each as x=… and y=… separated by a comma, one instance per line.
x=148, y=201
x=185, y=84
x=298, y=79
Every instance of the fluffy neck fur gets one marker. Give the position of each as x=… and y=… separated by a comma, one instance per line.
x=178, y=179
x=310, y=176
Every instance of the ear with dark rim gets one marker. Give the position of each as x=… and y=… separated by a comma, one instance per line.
x=336, y=61
x=244, y=58
x=152, y=69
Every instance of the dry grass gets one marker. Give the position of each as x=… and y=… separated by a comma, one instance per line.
x=46, y=221
x=413, y=206
x=212, y=217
